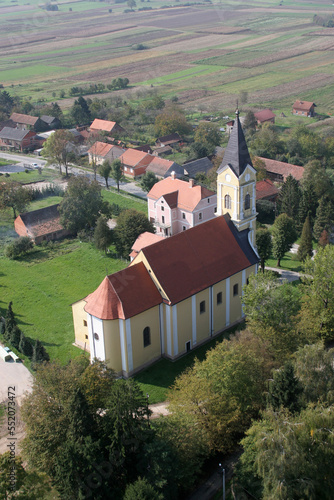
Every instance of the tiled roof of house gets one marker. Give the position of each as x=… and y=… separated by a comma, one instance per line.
x=104, y=125
x=123, y=294
x=26, y=119
x=303, y=105
x=282, y=168
x=48, y=119
x=144, y=240
x=201, y=165
x=135, y=158
x=43, y=221
x=264, y=115
x=169, y=139
x=161, y=167
x=195, y=259
x=13, y=133
x=179, y=193
x=236, y=153
x=100, y=148
x=265, y=189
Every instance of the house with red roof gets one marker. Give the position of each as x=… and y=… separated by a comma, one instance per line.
x=162, y=168
x=265, y=116
x=279, y=170
x=179, y=292
x=303, y=108
x=41, y=225
x=27, y=122
x=135, y=162
x=144, y=240
x=175, y=205
x=101, y=151
x=266, y=190
x=18, y=139
x=106, y=126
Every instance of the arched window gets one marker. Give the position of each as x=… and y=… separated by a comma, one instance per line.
x=247, y=202
x=147, y=336
x=228, y=203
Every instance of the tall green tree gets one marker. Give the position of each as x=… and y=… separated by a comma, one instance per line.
x=130, y=224
x=104, y=170
x=208, y=134
x=307, y=206
x=324, y=217
x=57, y=149
x=82, y=204
x=266, y=142
x=117, y=172
x=305, y=248
x=285, y=389
x=13, y=195
x=171, y=120
x=102, y=234
x=284, y=234
x=317, y=314
x=39, y=354
x=80, y=111
x=264, y=245
x=289, y=197
x=148, y=180
x=25, y=346
x=141, y=490
x=249, y=124
x=10, y=322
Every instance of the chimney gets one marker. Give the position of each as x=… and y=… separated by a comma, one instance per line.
x=191, y=183
x=172, y=175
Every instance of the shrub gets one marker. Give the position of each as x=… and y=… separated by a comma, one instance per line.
x=266, y=211
x=21, y=246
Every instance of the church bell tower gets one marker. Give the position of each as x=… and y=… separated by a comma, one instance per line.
x=236, y=183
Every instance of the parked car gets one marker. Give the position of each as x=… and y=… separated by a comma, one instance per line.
x=35, y=165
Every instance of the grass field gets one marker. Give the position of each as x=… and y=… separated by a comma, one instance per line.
x=205, y=54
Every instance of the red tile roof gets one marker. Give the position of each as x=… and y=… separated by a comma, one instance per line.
x=264, y=115
x=282, y=168
x=105, y=125
x=135, y=158
x=123, y=294
x=42, y=221
x=303, y=105
x=100, y=148
x=265, y=189
x=179, y=193
x=26, y=119
x=160, y=166
x=144, y=240
x=195, y=259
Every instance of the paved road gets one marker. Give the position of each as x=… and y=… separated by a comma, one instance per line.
x=285, y=274
x=129, y=187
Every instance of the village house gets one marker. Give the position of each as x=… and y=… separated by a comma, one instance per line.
x=169, y=140
x=106, y=126
x=162, y=168
x=266, y=190
x=181, y=291
x=27, y=122
x=41, y=225
x=199, y=166
x=51, y=122
x=101, y=151
x=265, y=116
x=135, y=162
x=175, y=205
x=303, y=108
x=279, y=170
x=18, y=139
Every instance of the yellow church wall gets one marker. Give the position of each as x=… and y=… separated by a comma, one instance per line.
x=219, y=310
x=235, y=302
x=80, y=324
x=184, y=324
x=112, y=344
x=142, y=355
x=203, y=319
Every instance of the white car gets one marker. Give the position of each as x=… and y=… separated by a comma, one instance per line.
x=35, y=165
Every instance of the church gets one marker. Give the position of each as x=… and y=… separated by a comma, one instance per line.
x=180, y=292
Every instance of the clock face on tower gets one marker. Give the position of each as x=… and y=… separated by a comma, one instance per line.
x=228, y=177
x=247, y=177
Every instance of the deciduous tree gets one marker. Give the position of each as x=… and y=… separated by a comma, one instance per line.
x=130, y=224
x=148, y=180
x=263, y=245
x=104, y=170
x=284, y=235
x=57, y=149
x=208, y=134
x=117, y=172
x=13, y=195
x=102, y=234
x=171, y=120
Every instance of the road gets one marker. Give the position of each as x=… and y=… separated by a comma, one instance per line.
x=129, y=187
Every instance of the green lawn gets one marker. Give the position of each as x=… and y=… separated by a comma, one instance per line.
x=125, y=200
x=46, y=174
x=289, y=261
x=156, y=379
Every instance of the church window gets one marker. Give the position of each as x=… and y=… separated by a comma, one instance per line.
x=147, y=336
x=235, y=290
x=86, y=337
x=219, y=298
x=202, y=307
x=84, y=322
x=247, y=202
x=228, y=202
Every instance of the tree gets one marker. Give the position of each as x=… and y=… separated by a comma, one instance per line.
x=171, y=120
x=289, y=198
x=56, y=148
x=104, y=170
x=102, y=234
x=208, y=134
x=148, y=180
x=305, y=248
x=266, y=142
x=130, y=224
x=324, y=239
x=141, y=490
x=284, y=235
x=6, y=102
x=80, y=111
x=293, y=455
x=39, y=354
x=18, y=247
x=317, y=314
x=285, y=389
x=324, y=217
x=10, y=322
x=25, y=346
x=117, y=171
x=14, y=195
x=131, y=4
x=271, y=310
x=250, y=122
x=263, y=245
x=82, y=204
x=15, y=336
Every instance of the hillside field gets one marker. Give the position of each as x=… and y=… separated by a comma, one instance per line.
x=206, y=53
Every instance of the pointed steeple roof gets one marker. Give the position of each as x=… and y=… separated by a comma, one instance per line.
x=236, y=153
